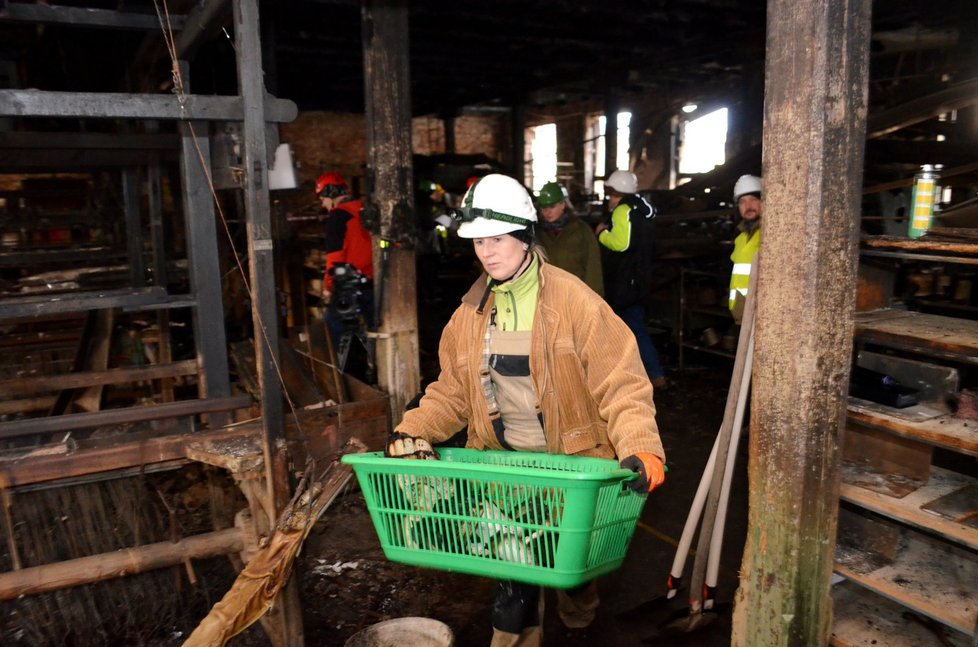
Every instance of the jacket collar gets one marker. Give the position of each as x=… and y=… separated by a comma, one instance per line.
x=474, y=295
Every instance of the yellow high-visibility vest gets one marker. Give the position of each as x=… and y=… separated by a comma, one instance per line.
x=745, y=248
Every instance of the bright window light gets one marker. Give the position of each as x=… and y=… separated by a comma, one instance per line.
x=624, y=123
x=690, y=107
x=542, y=144
x=704, y=141
x=621, y=150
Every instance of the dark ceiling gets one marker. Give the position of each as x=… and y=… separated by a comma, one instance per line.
x=504, y=52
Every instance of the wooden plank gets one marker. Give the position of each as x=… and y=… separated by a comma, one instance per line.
x=910, y=508
x=915, y=413
x=121, y=105
x=953, y=97
x=863, y=619
x=923, y=333
x=96, y=358
x=44, y=383
x=119, y=563
x=112, y=454
x=118, y=416
x=945, y=431
x=921, y=244
x=927, y=575
x=85, y=17
x=27, y=405
x=898, y=465
x=960, y=505
x=58, y=141
x=43, y=304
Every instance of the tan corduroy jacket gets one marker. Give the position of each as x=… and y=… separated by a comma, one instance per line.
x=594, y=394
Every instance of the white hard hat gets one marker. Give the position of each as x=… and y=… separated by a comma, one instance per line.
x=495, y=205
x=622, y=182
x=443, y=220
x=746, y=184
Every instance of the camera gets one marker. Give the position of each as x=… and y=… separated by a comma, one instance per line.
x=348, y=293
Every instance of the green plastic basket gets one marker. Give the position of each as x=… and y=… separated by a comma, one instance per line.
x=543, y=519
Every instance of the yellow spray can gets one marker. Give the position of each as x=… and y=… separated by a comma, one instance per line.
x=923, y=201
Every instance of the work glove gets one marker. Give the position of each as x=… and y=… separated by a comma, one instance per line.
x=651, y=472
x=404, y=446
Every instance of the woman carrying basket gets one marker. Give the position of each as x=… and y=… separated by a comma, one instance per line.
x=534, y=360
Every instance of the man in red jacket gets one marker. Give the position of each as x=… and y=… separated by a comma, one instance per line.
x=347, y=243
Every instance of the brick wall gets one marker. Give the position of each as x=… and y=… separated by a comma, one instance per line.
x=338, y=141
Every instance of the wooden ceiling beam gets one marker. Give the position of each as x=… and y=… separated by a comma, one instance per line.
x=119, y=105
x=83, y=17
x=955, y=97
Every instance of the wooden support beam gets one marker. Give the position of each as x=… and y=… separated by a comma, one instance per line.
x=955, y=97
x=388, y=102
x=83, y=17
x=68, y=422
x=145, y=298
x=204, y=20
x=202, y=254
x=36, y=140
x=20, y=386
x=120, y=105
x=814, y=131
x=261, y=255
x=119, y=563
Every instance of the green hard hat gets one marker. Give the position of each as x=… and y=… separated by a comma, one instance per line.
x=551, y=193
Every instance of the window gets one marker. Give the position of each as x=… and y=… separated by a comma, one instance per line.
x=541, y=155
x=595, y=152
x=703, y=143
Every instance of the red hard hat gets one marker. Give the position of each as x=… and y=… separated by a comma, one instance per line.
x=331, y=178
x=470, y=181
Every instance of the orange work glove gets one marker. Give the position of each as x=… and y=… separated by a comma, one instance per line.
x=651, y=472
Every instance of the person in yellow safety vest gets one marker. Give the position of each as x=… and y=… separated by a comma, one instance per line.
x=750, y=206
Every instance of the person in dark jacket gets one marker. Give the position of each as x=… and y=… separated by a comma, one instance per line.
x=626, y=240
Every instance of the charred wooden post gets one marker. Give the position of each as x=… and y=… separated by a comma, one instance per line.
x=261, y=260
x=814, y=131
x=205, y=272
x=284, y=624
x=388, y=102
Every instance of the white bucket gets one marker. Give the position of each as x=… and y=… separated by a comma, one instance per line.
x=404, y=632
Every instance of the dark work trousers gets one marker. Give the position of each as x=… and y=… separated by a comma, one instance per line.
x=634, y=318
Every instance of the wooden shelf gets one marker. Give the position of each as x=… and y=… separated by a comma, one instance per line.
x=926, y=575
x=945, y=431
x=918, y=332
x=863, y=619
x=910, y=509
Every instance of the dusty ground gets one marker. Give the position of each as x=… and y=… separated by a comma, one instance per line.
x=347, y=583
